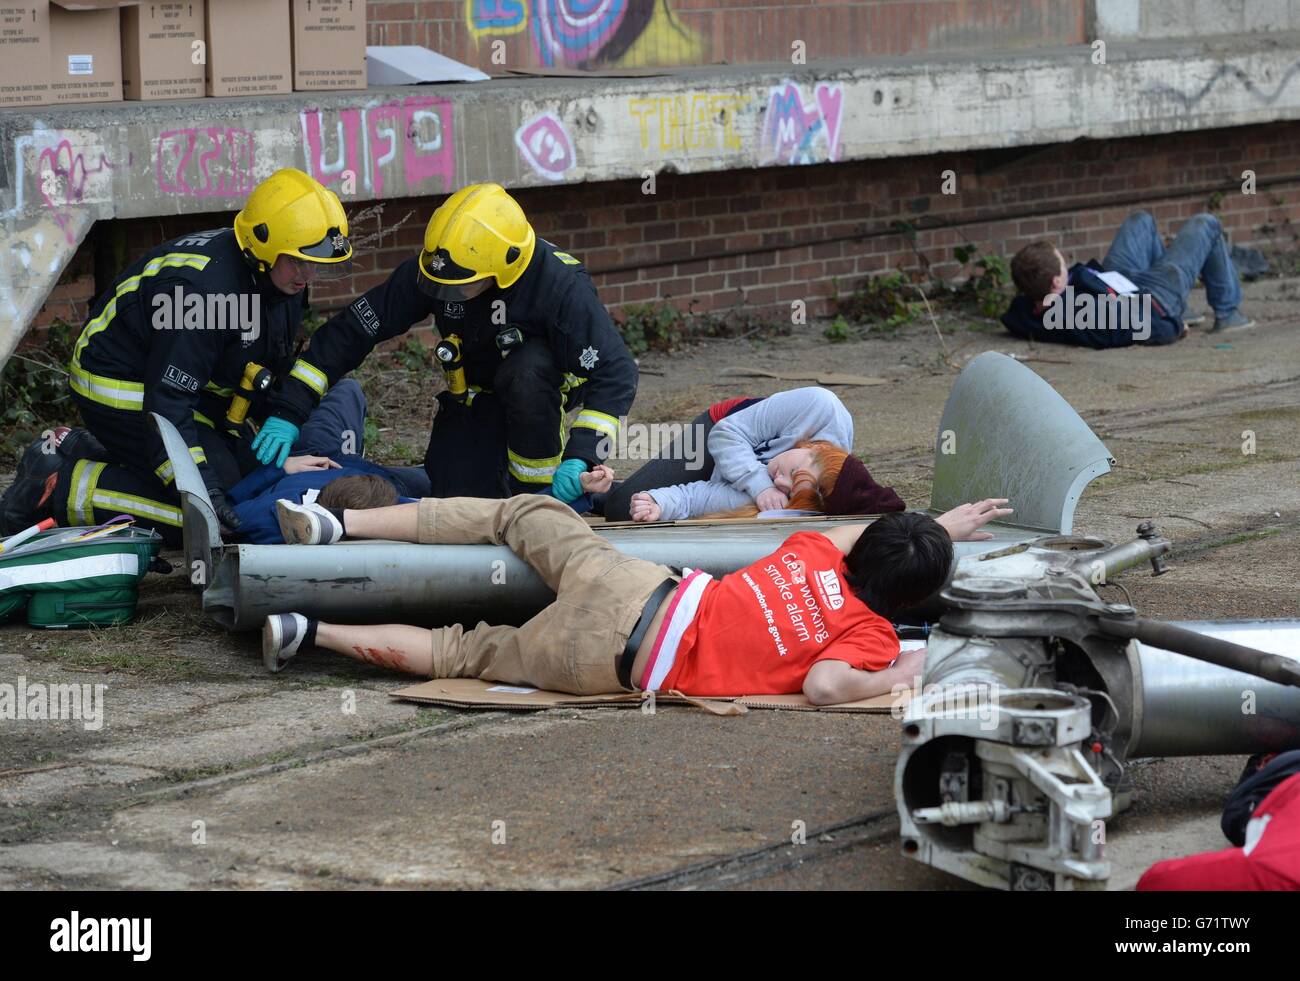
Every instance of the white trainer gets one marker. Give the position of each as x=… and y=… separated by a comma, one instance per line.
x=282, y=636
x=307, y=524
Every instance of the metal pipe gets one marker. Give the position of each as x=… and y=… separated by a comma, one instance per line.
x=1191, y=708
x=1204, y=647
x=432, y=585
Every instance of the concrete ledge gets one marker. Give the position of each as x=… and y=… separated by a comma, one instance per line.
x=62, y=166
x=129, y=160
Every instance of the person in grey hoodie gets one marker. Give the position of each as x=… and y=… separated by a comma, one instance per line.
x=755, y=448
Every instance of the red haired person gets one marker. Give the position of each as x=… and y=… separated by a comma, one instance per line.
x=755, y=447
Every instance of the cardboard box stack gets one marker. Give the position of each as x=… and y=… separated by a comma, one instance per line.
x=329, y=44
x=24, y=53
x=86, y=50
x=74, y=51
x=248, y=47
x=164, y=47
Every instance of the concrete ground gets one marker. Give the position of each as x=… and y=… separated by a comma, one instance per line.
x=208, y=773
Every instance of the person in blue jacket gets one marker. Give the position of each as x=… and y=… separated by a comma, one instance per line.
x=317, y=478
x=305, y=477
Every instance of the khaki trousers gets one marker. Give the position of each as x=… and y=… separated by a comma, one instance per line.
x=574, y=644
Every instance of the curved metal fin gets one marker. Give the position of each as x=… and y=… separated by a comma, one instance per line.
x=200, y=527
x=1006, y=432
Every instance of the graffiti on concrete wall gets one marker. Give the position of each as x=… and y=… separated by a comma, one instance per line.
x=546, y=146
x=701, y=121
x=1191, y=99
x=496, y=16
x=795, y=130
x=68, y=171
x=205, y=162
x=590, y=33
x=411, y=137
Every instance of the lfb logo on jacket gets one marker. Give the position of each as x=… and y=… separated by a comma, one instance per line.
x=832, y=592
x=180, y=379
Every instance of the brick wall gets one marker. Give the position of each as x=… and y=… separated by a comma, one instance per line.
x=758, y=239
x=690, y=32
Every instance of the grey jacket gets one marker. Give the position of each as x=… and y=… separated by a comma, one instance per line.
x=742, y=444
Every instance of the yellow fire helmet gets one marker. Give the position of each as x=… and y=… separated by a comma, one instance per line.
x=479, y=231
x=292, y=214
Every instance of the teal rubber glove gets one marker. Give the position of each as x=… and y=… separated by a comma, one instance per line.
x=274, y=440
x=566, y=485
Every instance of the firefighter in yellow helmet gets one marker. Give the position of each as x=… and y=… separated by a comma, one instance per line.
x=525, y=339
x=176, y=334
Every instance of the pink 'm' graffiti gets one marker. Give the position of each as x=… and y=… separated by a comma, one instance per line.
x=222, y=162
x=63, y=175
x=366, y=143
x=791, y=129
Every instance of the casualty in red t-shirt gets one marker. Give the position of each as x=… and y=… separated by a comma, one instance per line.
x=759, y=630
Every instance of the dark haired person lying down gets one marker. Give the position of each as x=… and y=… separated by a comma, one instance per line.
x=813, y=616
x=349, y=482
x=344, y=481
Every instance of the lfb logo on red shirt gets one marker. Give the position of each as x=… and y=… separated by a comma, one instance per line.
x=832, y=591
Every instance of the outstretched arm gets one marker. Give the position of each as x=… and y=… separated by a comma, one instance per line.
x=831, y=682
x=690, y=500
x=962, y=523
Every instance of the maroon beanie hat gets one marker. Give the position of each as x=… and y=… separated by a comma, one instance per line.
x=856, y=493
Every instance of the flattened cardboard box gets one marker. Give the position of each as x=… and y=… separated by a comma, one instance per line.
x=475, y=693
x=329, y=44
x=25, y=53
x=164, y=48
x=86, y=50
x=248, y=47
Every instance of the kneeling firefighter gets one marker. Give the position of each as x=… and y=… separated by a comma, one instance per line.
x=525, y=338
x=197, y=330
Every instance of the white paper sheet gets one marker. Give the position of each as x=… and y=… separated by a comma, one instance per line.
x=1120, y=283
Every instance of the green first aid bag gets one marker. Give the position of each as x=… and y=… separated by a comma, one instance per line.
x=61, y=583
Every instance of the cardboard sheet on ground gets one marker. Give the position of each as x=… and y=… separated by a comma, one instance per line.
x=413, y=64
x=595, y=73
x=820, y=377
x=478, y=694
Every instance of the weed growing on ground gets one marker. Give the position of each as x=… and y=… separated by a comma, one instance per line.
x=34, y=393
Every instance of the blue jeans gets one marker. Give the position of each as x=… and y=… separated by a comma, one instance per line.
x=1198, y=251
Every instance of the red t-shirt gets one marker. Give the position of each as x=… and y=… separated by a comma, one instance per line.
x=759, y=630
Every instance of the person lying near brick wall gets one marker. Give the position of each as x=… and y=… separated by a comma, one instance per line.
x=1136, y=295
x=813, y=616
x=745, y=455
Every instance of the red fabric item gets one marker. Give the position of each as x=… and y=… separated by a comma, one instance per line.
x=856, y=493
x=1270, y=860
x=720, y=410
x=741, y=645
